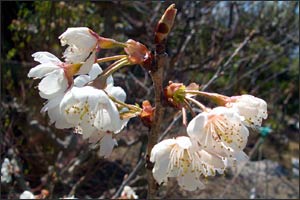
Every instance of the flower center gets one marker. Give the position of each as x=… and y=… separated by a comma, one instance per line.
x=216, y=126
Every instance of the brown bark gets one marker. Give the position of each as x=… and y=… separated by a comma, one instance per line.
x=157, y=74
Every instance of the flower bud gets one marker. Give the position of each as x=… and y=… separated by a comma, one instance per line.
x=165, y=24
x=147, y=113
x=107, y=43
x=175, y=93
x=138, y=53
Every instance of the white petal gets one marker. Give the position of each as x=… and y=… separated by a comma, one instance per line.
x=71, y=108
x=221, y=110
x=107, y=144
x=74, y=55
x=56, y=116
x=54, y=113
x=160, y=148
x=108, y=118
x=123, y=123
x=52, y=103
x=116, y=92
x=79, y=36
x=45, y=57
x=184, y=142
x=42, y=69
x=91, y=94
x=89, y=60
x=190, y=182
x=81, y=80
x=109, y=81
x=211, y=159
x=160, y=168
x=197, y=132
x=196, y=125
x=128, y=193
x=86, y=125
x=27, y=195
x=238, y=158
x=160, y=155
x=53, y=84
x=95, y=71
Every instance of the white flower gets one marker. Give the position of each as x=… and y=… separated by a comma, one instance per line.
x=94, y=115
x=91, y=109
x=222, y=132
x=96, y=70
x=6, y=171
x=56, y=76
x=54, y=81
x=83, y=44
x=70, y=197
x=180, y=158
x=128, y=193
x=54, y=112
x=98, y=112
x=219, y=127
x=253, y=109
x=27, y=195
x=53, y=105
x=106, y=142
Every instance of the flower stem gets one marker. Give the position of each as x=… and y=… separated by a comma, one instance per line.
x=115, y=66
x=130, y=107
x=184, y=118
x=200, y=105
x=111, y=58
x=217, y=98
x=189, y=107
x=108, y=43
x=121, y=44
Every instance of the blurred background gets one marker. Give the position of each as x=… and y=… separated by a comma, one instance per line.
x=253, y=47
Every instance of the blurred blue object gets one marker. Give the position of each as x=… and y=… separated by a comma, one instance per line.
x=264, y=131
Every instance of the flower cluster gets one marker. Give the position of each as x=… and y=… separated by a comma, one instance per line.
x=27, y=195
x=8, y=168
x=79, y=93
x=128, y=193
x=82, y=96
x=216, y=137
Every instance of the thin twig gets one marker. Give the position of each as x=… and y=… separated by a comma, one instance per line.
x=225, y=66
x=139, y=83
x=176, y=117
x=129, y=178
x=36, y=125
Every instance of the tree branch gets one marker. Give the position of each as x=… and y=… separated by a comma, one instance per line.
x=157, y=73
x=225, y=66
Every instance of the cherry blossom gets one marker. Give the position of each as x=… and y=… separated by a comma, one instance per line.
x=56, y=76
x=82, y=46
x=128, y=193
x=253, y=109
x=6, y=171
x=27, y=195
x=138, y=53
x=219, y=126
x=105, y=140
x=182, y=159
x=221, y=131
x=94, y=115
x=52, y=106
